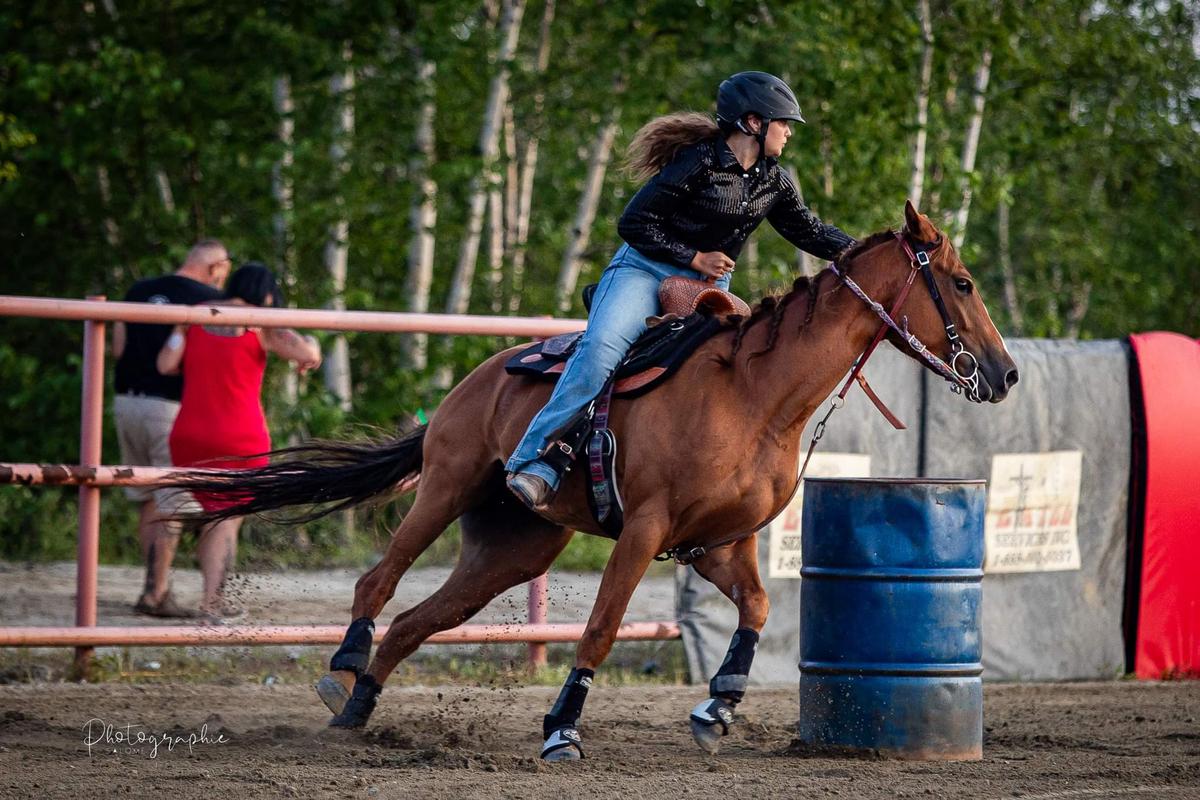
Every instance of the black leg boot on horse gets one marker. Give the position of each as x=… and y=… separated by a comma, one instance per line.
x=347, y=664
x=562, y=739
x=712, y=718
x=640, y=542
x=733, y=570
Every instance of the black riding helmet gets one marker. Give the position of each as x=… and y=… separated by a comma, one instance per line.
x=755, y=93
x=758, y=93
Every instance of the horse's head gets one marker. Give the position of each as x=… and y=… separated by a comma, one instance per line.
x=948, y=315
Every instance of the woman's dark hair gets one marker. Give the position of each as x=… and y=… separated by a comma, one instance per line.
x=657, y=142
x=252, y=282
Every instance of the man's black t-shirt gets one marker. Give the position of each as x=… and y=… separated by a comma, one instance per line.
x=136, y=368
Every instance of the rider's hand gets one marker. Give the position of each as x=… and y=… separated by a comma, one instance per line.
x=715, y=265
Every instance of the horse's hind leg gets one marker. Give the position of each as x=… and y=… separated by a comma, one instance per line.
x=504, y=544
x=439, y=502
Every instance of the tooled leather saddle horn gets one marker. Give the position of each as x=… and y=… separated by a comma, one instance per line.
x=682, y=296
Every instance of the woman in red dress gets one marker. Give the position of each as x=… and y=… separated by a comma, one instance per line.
x=221, y=421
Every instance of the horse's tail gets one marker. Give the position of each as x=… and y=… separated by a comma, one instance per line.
x=319, y=476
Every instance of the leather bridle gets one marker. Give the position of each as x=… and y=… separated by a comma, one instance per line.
x=962, y=371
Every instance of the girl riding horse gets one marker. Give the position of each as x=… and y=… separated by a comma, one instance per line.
x=712, y=184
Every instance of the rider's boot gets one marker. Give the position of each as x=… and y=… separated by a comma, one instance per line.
x=532, y=490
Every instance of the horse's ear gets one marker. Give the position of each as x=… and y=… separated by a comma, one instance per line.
x=918, y=224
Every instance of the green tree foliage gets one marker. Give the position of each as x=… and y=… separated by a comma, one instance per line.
x=1090, y=139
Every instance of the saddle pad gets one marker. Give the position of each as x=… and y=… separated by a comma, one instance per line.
x=654, y=356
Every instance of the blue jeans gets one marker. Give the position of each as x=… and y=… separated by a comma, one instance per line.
x=626, y=296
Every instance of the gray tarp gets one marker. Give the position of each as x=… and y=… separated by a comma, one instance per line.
x=1044, y=625
x=1072, y=396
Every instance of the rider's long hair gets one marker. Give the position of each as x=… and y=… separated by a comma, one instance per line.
x=657, y=142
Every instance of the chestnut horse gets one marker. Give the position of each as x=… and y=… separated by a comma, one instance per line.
x=711, y=453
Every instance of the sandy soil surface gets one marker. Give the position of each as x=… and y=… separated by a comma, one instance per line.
x=1120, y=740
x=44, y=594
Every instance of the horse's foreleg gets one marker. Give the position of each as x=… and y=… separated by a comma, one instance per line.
x=733, y=570
x=503, y=545
x=639, y=543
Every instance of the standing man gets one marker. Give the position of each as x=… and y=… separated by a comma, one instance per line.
x=145, y=407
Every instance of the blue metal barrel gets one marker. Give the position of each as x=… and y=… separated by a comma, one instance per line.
x=889, y=617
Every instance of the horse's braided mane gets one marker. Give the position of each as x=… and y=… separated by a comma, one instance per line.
x=772, y=306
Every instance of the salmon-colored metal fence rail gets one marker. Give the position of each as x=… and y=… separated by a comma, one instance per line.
x=90, y=475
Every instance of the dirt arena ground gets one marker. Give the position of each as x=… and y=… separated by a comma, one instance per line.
x=1121, y=740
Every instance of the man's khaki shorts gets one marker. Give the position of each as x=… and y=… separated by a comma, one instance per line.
x=144, y=432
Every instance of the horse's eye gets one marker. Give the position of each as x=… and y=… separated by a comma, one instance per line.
x=963, y=285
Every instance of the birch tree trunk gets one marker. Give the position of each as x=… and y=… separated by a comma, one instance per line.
x=528, y=167
x=568, y=273
x=495, y=251
x=459, y=299
x=281, y=180
x=971, y=144
x=916, y=184
x=337, y=361
x=464, y=270
x=423, y=216
x=750, y=260
x=804, y=262
x=512, y=179
x=827, y=157
x=1006, y=267
x=950, y=106
x=281, y=221
x=164, y=190
x=112, y=232
x=1080, y=299
x=1101, y=176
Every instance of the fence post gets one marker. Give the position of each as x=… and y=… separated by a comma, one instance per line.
x=539, y=592
x=90, y=427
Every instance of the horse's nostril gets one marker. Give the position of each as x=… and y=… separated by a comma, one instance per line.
x=1010, y=378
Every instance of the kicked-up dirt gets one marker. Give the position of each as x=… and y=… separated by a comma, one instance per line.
x=1095, y=740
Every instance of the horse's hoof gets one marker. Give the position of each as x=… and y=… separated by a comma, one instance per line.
x=563, y=754
x=334, y=689
x=710, y=721
x=359, y=707
x=343, y=722
x=707, y=735
x=564, y=744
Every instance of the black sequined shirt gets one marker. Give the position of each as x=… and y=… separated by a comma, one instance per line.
x=704, y=200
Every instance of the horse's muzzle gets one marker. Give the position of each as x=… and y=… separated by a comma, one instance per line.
x=997, y=375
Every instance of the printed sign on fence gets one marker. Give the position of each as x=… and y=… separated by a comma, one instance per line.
x=785, y=530
x=1033, y=509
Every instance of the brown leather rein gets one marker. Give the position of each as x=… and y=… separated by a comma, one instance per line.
x=918, y=262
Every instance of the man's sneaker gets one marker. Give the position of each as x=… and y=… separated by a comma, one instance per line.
x=531, y=490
